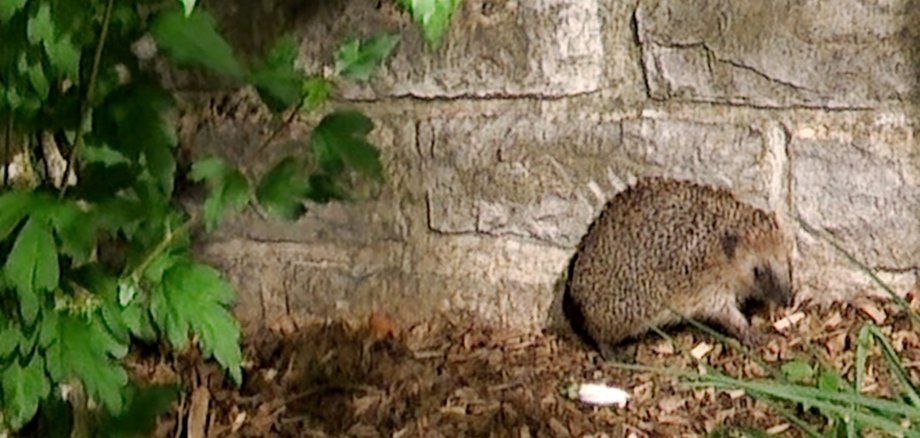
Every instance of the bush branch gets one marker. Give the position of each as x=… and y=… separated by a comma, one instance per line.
x=90, y=92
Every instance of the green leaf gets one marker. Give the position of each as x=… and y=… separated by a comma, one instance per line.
x=228, y=189
x=102, y=154
x=323, y=188
x=10, y=338
x=195, y=41
x=797, y=370
x=32, y=266
x=86, y=350
x=276, y=78
x=316, y=91
x=194, y=296
x=8, y=8
x=358, y=59
x=188, y=6
x=143, y=404
x=283, y=188
x=208, y=168
x=64, y=55
x=236, y=193
x=13, y=208
x=40, y=27
x=829, y=380
x=76, y=230
x=433, y=15
x=341, y=138
x=161, y=164
x=137, y=319
x=37, y=78
x=23, y=390
x=135, y=122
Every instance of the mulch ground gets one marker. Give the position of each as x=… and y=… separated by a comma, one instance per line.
x=463, y=378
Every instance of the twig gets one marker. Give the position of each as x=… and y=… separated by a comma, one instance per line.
x=7, y=145
x=287, y=122
x=90, y=92
x=164, y=244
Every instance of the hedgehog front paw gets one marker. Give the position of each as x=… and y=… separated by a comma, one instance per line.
x=754, y=338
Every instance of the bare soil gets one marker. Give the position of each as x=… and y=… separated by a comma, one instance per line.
x=461, y=377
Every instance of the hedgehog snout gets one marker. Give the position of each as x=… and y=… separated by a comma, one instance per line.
x=771, y=286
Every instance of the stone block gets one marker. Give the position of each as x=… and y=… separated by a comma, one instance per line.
x=494, y=48
x=545, y=177
x=857, y=178
x=841, y=54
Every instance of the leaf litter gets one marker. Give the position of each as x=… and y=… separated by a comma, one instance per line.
x=457, y=376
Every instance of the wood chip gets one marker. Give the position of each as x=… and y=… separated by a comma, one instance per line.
x=833, y=320
x=735, y=393
x=701, y=350
x=198, y=412
x=788, y=321
x=872, y=311
x=558, y=428
x=778, y=429
x=671, y=404
x=664, y=348
x=238, y=421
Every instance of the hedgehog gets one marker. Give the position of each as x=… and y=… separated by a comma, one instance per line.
x=664, y=249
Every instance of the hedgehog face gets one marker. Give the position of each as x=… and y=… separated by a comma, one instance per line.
x=773, y=280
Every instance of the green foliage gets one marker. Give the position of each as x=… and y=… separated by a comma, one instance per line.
x=143, y=404
x=340, y=141
x=228, y=189
x=23, y=389
x=433, y=15
x=194, y=296
x=90, y=268
x=277, y=80
x=283, y=189
x=359, y=58
x=797, y=370
x=195, y=41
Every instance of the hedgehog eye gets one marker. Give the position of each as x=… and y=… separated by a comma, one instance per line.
x=759, y=272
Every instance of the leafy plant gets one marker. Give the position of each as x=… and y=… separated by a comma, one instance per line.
x=433, y=15
x=95, y=248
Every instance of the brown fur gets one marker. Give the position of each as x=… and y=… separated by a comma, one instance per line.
x=664, y=245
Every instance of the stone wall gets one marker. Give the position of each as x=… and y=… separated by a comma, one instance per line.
x=501, y=147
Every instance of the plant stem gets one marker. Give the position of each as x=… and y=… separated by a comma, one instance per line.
x=90, y=92
x=7, y=147
x=168, y=237
x=287, y=122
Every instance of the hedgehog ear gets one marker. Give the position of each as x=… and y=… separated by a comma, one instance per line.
x=729, y=244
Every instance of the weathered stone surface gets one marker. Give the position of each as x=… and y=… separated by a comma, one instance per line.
x=495, y=48
x=851, y=53
x=501, y=280
x=379, y=216
x=489, y=189
x=857, y=178
x=541, y=177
